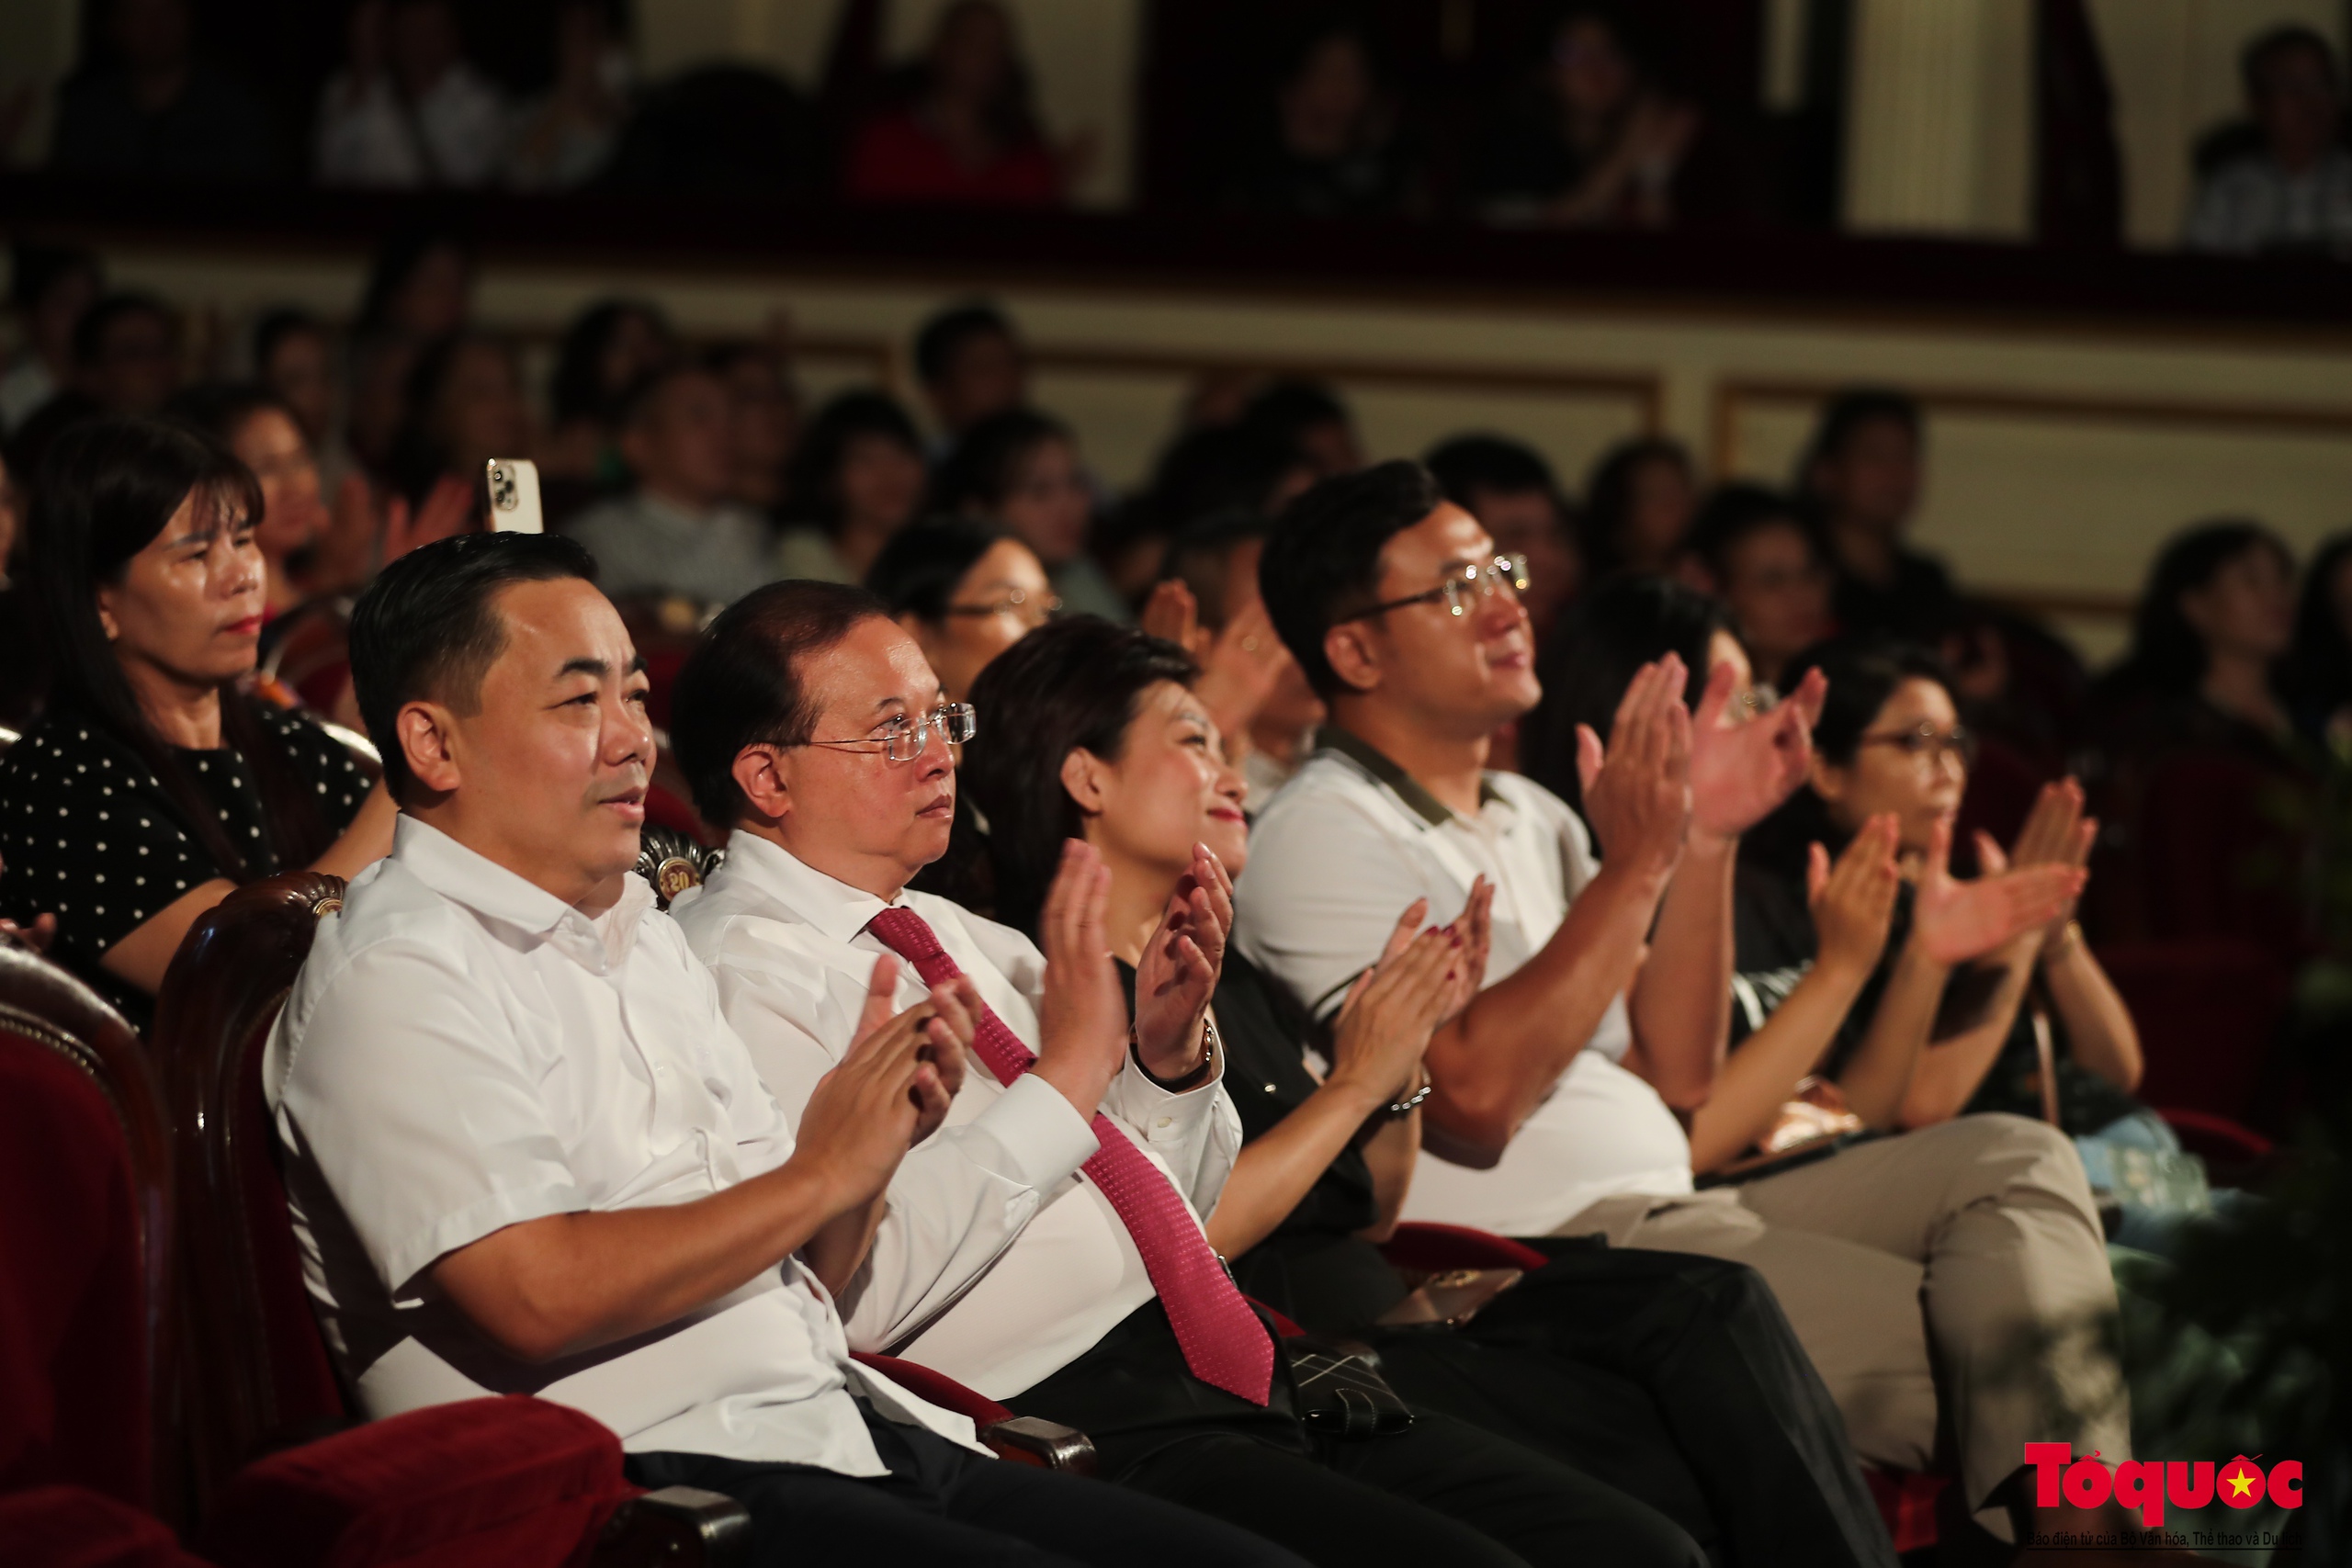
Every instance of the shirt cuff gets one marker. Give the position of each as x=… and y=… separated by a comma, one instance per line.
x=1040, y=1132
x=1157, y=1113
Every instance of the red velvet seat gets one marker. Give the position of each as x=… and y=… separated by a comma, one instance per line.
x=2208, y=1010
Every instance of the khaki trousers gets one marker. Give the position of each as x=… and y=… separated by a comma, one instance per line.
x=1966, y=1256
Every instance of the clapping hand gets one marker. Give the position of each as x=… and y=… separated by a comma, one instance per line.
x=2056, y=833
x=1082, y=1017
x=1955, y=922
x=1179, y=969
x=1853, y=901
x=891, y=1088
x=1638, y=789
x=1740, y=773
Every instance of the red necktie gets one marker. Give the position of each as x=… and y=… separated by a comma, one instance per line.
x=1223, y=1341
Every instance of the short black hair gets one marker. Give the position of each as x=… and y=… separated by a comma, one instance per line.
x=90, y=332
x=2256, y=60
x=1290, y=409
x=1845, y=415
x=742, y=685
x=1217, y=466
x=812, y=477
x=1322, y=559
x=277, y=326
x=221, y=408
x=1468, y=464
x=1734, y=511
x=427, y=627
x=986, y=462
x=918, y=571
x=942, y=337
x=1201, y=554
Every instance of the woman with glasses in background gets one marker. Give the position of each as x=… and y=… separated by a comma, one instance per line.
x=964, y=590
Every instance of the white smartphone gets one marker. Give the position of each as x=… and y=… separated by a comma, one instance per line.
x=515, y=496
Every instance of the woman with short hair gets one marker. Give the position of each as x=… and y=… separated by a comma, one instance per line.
x=152, y=786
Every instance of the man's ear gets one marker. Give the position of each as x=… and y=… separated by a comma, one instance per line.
x=1349, y=652
x=426, y=733
x=759, y=773
x=1083, y=774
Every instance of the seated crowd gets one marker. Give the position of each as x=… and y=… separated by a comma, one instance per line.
x=1128, y=915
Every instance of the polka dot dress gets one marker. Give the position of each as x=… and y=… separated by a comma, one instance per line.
x=88, y=834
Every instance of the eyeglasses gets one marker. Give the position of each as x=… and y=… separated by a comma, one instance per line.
x=1017, y=603
x=902, y=740
x=1929, y=743
x=1505, y=574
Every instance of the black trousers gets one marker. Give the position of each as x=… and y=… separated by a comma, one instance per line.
x=942, y=1502
x=1673, y=1377
x=1441, y=1492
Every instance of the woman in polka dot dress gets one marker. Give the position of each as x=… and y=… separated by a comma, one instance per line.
x=152, y=785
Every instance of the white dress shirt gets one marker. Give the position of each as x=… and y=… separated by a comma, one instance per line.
x=462, y=1052
x=790, y=946
x=1336, y=857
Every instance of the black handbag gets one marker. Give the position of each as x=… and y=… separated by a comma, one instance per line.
x=1340, y=1391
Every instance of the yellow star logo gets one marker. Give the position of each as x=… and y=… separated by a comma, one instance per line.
x=2240, y=1483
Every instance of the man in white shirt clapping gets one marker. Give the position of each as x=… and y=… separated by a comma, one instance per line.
x=526, y=1152
x=809, y=723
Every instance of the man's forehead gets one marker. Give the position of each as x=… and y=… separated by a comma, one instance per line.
x=1448, y=534
x=555, y=627
x=875, y=665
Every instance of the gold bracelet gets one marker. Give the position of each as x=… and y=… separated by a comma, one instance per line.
x=2070, y=937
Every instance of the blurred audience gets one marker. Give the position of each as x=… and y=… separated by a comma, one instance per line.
x=856, y=480
x=607, y=350
x=462, y=406
x=1593, y=138
x=1862, y=475
x=564, y=138
x=2196, y=763
x=677, y=532
x=419, y=290
x=763, y=417
x=1309, y=418
x=971, y=362
x=1334, y=147
x=1637, y=505
x=2291, y=191
x=144, y=552
x=49, y=287
x=1021, y=468
x=294, y=357
x=1209, y=606
x=964, y=590
x=1754, y=549
x=409, y=110
x=127, y=352
x=964, y=126
x=1509, y=487
x=261, y=431
x=2318, y=662
x=24, y=650
x=149, y=105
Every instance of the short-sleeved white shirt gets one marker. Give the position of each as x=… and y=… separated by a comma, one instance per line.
x=463, y=1051
x=1336, y=857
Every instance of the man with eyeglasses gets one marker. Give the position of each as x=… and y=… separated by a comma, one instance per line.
x=1607, y=1006
x=1054, y=1258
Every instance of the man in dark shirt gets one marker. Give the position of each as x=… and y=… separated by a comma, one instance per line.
x=1862, y=473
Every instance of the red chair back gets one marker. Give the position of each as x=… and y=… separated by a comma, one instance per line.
x=85, y=1218
x=2209, y=1012
x=258, y=1368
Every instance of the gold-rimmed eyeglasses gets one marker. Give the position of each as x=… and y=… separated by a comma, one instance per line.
x=1016, y=602
x=1925, y=742
x=902, y=739
x=1504, y=574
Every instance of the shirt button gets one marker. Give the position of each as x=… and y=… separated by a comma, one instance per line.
x=1164, y=1120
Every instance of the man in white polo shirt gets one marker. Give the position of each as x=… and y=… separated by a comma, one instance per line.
x=1606, y=1007
x=810, y=722
x=526, y=1154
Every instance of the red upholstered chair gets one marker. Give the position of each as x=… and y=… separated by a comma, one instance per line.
x=1023, y=1439
x=505, y=1482
x=2208, y=1010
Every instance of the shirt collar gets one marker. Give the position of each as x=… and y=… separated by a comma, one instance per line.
x=463, y=877
x=1384, y=770
x=830, y=905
